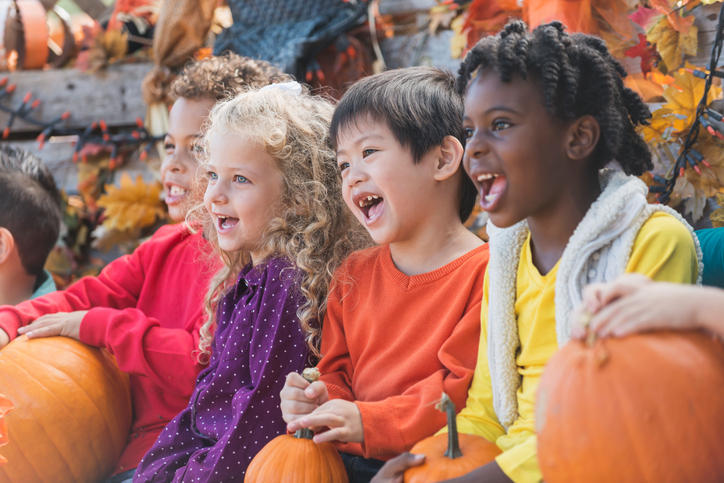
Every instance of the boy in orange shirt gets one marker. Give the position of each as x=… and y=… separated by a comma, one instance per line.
x=402, y=320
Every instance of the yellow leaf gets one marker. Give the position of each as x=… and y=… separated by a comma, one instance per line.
x=717, y=216
x=460, y=39
x=685, y=93
x=672, y=44
x=132, y=206
x=665, y=124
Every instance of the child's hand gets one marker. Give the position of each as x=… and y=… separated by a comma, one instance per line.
x=66, y=324
x=598, y=295
x=394, y=470
x=341, y=417
x=635, y=304
x=4, y=338
x=300, y=398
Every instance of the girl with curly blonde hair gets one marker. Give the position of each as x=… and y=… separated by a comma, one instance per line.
x=272, y=207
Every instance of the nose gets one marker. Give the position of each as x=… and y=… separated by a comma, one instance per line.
x=173, y=163
x=476, y=146
x=216, y=194
x=356, y=174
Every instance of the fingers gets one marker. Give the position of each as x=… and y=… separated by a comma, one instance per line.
x=294, y=403
x=4, y=338
x=40, y=322
x=579, y=322
x=623, y=286
x=317, y=391
x=293, y=410
x=296, y=380
x=45, y=331
x=394, y=469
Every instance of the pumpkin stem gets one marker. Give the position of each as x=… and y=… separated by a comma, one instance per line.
x=453, y=444
x=311, y=374
x=586, y=317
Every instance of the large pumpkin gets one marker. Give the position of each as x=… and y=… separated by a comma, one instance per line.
x=451, y=454
x=5, y=406
x=643, y=408
x=72, y=412
x=297, y=459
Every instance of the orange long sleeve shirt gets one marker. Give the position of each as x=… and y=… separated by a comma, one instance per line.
x=393, y=343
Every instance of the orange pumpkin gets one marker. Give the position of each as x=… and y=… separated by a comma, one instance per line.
x=450, y=455
x=642, y=408
x=5, y=406
x=72, y=411
x=297, y=459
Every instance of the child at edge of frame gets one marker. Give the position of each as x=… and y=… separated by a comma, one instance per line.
x=545, y=111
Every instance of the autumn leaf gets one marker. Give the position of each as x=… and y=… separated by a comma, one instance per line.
x=671, y=43
x=711, y=180
x=132, y=206
x=663, y=126
x=717, y=216
x=684, y=94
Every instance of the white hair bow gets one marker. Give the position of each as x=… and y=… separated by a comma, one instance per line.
x=292, y=87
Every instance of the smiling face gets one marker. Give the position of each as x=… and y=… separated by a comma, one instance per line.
x=179, y=167
x=385, y=189
x=516, y=152
x=245, y=184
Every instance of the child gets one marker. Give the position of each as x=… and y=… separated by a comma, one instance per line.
x=274, y=211
x=543, y=114
x=147, y=308
x=27, y=192
x=402, y=322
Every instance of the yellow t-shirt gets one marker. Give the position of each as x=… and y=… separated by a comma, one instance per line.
x=663, y=250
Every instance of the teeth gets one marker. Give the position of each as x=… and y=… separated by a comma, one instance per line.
x=375, y=197
x=368, y=200
x=490, y=198
x=486, y=176
x=361, y=203
x=176, y=191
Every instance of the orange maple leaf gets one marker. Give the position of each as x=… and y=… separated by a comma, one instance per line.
x=132, y=206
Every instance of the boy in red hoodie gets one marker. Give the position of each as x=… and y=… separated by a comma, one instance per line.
x=146, y=308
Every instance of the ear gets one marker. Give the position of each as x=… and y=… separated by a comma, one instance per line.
x=450, y=155
x=583, y=136
x=7, y=244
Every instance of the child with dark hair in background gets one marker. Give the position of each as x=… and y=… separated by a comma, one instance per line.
x=544, y=113
x=402, y=321
x=30, y=212
x=147, y=308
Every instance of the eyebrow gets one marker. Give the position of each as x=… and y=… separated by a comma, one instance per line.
x=362, y=138
x=501, y=108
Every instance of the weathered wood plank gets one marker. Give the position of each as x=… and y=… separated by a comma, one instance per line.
x=420, y=49
x=113, y=95
x=58, y=157
x=707, y=17
x=396, y=7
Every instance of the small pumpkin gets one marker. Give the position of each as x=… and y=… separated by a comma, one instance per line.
x=5, y=406
x=450, y=455
x=642, y=408
x=72, y=412
x=297, y=459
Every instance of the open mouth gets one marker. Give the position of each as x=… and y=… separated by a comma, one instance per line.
x=491, y=187
x=371, y=206
x=224, y=224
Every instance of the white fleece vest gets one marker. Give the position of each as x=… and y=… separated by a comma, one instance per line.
x=598, y=251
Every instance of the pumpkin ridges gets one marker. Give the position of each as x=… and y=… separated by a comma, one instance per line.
x=30, y=434
x=659, y=374
x=76, y=390
x=96, y=410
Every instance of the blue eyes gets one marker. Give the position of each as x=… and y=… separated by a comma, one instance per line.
x=236, y=179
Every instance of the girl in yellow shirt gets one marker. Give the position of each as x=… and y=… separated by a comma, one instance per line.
x=544, y=113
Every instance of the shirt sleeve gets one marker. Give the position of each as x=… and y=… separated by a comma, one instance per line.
x=142, y=347
x=277, y=347
x=117, y=286
x=664, y=250
x=395, y=424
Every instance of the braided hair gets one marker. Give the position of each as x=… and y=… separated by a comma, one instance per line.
x=577, y=76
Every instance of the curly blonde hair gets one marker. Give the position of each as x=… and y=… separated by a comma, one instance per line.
x=313, y=229
x=219, y=77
